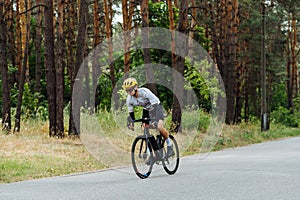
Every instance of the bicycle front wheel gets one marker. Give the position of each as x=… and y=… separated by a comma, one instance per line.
x=171, y=164
x=141, y=157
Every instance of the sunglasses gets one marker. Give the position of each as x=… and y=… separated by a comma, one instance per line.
x=129, y=90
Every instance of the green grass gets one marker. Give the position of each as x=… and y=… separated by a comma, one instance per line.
x=15, y=168
x=31, y=154
x=241, y=135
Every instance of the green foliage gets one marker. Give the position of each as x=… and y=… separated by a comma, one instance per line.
x=283, y=116
x=32, y=106
x=106, y=120
x=159, y=15
x=165, y=96
x=199, y=36
x=192, y=119
x=279, y=97
x=297, y=103
x=206, y=86
x=104, y=92
x=195, y=119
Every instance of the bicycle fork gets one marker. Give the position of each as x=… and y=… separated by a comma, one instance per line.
x=158, y=153
x=151, y=144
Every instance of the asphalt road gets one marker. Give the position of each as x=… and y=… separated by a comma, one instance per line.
x=258, y=172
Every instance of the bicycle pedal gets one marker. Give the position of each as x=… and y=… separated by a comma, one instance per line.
x=158, y=162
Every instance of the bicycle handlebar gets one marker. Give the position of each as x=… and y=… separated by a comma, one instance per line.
x=142, y=120
x=146, y=121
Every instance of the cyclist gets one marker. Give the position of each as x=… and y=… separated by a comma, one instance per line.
x=152, y=108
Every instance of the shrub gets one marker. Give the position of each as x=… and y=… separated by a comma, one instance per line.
x=192, y=119
x=283, y=116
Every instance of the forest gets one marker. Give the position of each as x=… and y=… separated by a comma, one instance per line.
x=253, y=44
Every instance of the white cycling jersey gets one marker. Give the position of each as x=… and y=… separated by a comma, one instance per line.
x=145, y=99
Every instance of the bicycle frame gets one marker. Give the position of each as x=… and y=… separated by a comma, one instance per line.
x=142, y=155
x=150, y=139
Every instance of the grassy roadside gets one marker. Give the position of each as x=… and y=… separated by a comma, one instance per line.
x=31, y=154
x=243, y=135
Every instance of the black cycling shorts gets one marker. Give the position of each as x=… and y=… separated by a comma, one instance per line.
x=155, y=115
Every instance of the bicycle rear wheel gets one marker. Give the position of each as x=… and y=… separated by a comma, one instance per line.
x=171, y=164
x=141, y=157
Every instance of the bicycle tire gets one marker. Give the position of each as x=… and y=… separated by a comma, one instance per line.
x=139, y=157
x=171, y=164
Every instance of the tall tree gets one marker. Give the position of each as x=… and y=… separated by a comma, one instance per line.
x=50, y=66
x=192, y=26
x=98, y=11
x=23, y=24
x=11, y=34
x=18, y=40
x=172, y=27
x=71, y=41
x=292, y=50
x=178, y=84
x=60, y=71
x=127, y=11
x=6, y=115
x=234, y=56
x=80, y=51
x=108, y=27
x=70, y=38
x=38, y=47
x=25, y=30
x=224, y=23
x=146, y=50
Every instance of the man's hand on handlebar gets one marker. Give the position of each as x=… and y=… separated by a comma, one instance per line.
x=130, y=124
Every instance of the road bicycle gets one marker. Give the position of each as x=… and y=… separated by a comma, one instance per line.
x=148, y=150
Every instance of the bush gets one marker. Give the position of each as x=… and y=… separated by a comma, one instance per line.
x=192, y=119
x=283, y=116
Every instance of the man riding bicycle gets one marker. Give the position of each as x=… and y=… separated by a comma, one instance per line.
x=152, y=108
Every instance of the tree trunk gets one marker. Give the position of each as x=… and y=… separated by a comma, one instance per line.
x=172, y=27
x=295, y=53
x=80, y=50
x=28, y=13
x=228, y=60
x=50, y=66
x=18, y=41
x=6, y=115
x=21, y=88
x=11, y=33
x=224, y=23
x=97, y=41
x=235, y=51
x=25, y=30
x=38, y=49
x=178, y=84
x=70, y=41
x=23, y=33
x=292, y=64
x=71, y=17
x=24, y=21
x=173, y=55
x=108, y=26
x=176, y=3
x=192, y=26
x=60, y=72
x=127, y=25
x=145, y=42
